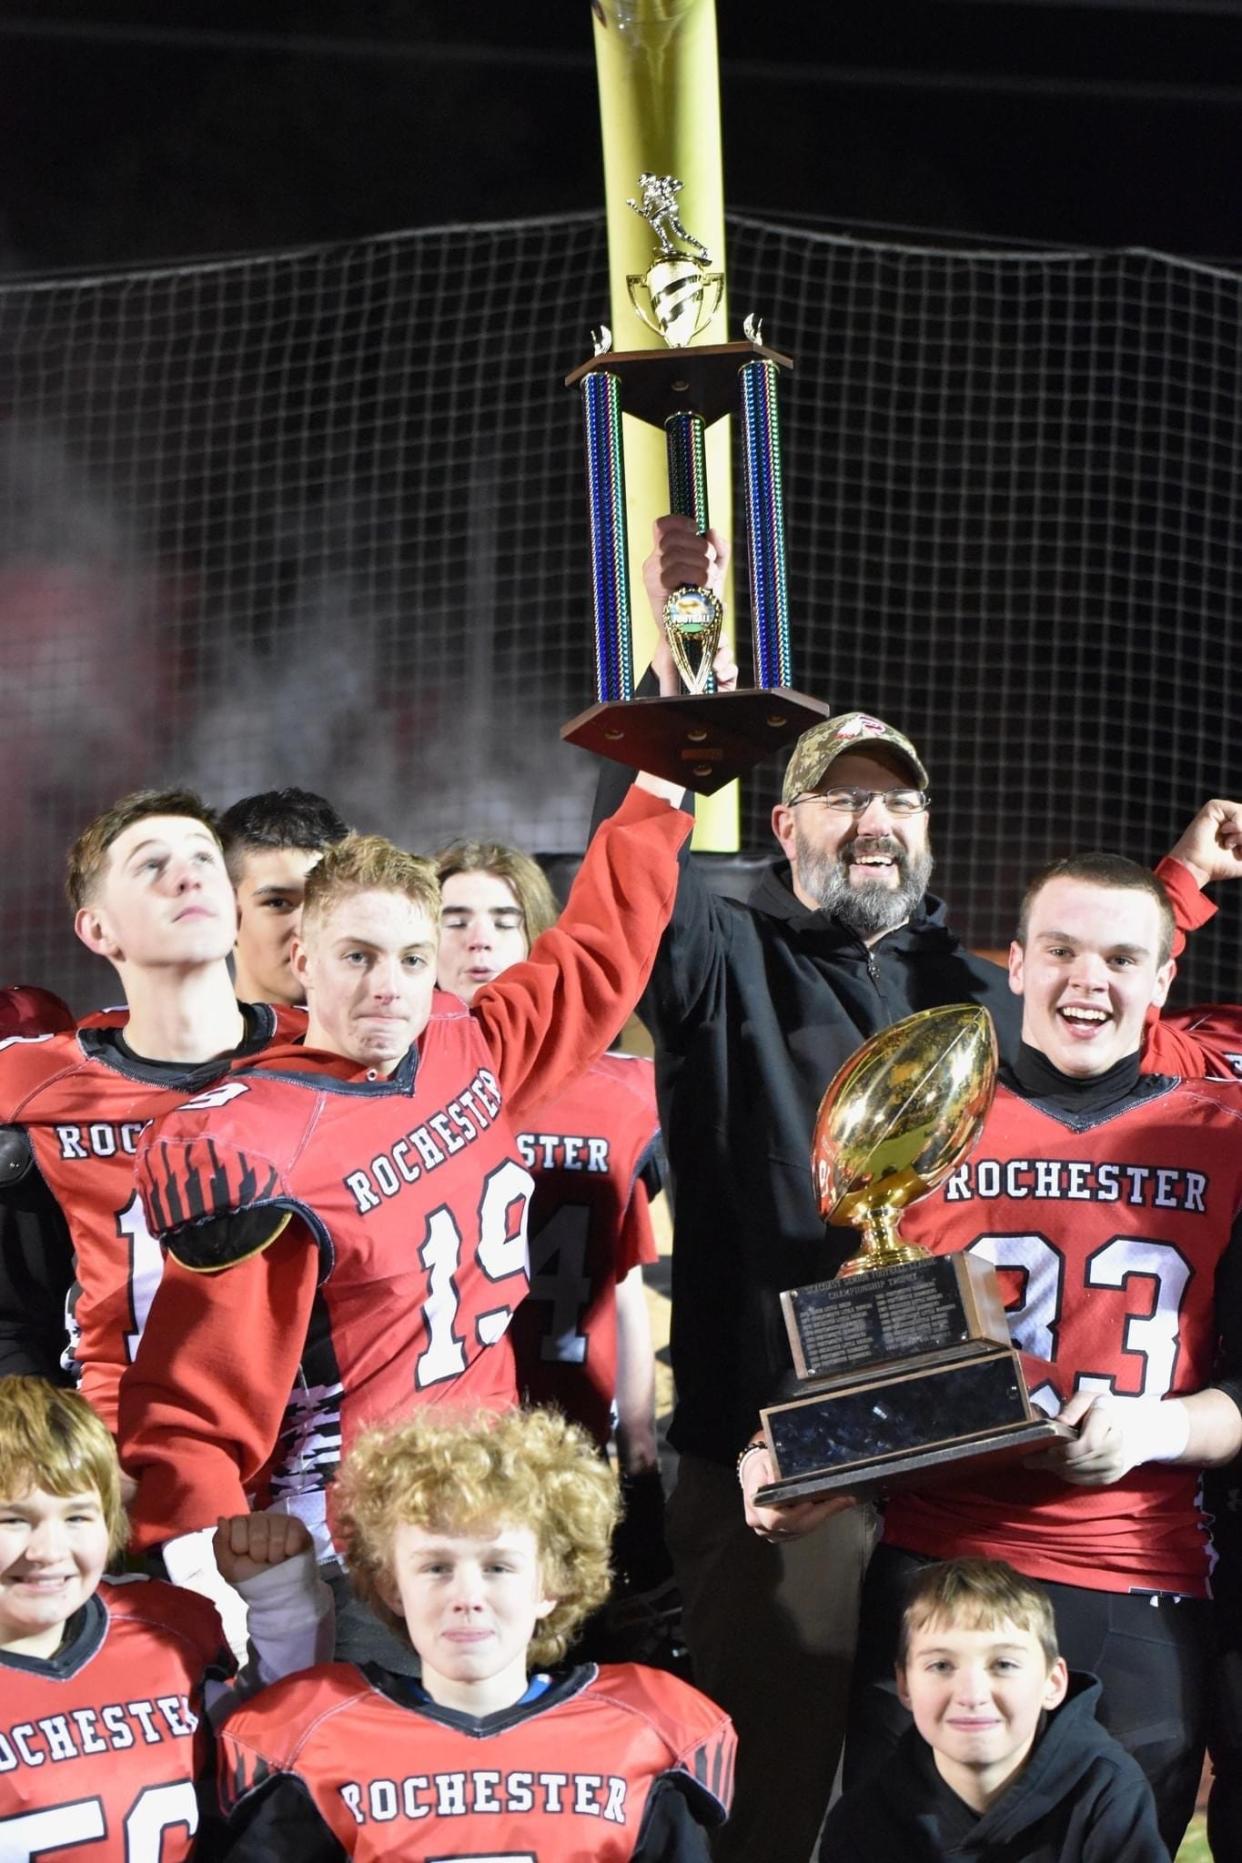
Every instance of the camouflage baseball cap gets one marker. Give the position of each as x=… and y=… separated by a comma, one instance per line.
x=817, y=748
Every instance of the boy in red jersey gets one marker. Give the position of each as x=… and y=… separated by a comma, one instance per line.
x=582, y=1337
x=487, y=1538
x=150, y=894
x=1111, y=1204
x=346, y=1221
x=108, y=1685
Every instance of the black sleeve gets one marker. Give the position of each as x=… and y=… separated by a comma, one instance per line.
x=1123, y=1826
x=1227, y=1296
x=278, y=1823
x=653, y=1168
x=672, y=1830
x=36, y=1265
x=692, y=943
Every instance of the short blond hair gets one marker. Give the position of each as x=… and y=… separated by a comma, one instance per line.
x=524, y=877
x=365, y=863
x=88, y=856
x=977, y=1594
x=466, y=1474
x=52, y=1439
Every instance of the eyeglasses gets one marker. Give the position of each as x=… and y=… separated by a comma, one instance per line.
x=856, y=802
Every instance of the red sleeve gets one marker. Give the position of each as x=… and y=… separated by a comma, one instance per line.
x=203, y=1401
x=1210, y=1050
x=1191, y=905
x=548, y=1018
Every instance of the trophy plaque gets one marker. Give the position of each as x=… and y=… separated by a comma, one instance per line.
x=908, y=1371
x=700, y=738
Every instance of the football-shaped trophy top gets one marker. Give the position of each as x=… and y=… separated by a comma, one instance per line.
x=896, y=1120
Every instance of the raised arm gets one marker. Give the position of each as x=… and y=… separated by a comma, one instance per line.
x=548, y=1018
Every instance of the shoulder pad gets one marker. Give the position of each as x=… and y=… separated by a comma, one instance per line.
x=29, y=1062
x=16, y=1155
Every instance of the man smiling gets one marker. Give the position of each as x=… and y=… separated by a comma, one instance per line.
x=1111, y=1203
x=853, y=824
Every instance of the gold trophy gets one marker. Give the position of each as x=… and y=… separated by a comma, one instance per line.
x=908, y=1371
x=697, y=737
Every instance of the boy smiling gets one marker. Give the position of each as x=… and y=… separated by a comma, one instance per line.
x=1006, y=1762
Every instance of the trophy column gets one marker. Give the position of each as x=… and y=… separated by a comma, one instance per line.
x=701, y=738
x=610, y=581
x=765, y=523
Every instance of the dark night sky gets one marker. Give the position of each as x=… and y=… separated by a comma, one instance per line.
x=151, y=128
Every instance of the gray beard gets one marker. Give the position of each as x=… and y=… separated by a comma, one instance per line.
x=875, y=906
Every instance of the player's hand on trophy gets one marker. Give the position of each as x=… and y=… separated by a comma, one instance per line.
x=247, y=1544
x=1211, y=846
x=681, y=558
x=1114, y=1434
x=792, y=1519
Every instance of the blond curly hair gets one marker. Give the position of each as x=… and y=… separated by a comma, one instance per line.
x=450, y=1473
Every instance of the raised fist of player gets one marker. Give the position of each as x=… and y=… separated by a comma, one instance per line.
x=1211, y=846
x=247, y=1544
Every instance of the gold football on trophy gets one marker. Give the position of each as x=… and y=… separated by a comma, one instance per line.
x=896, y=1120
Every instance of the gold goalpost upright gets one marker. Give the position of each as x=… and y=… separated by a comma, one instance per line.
x=659, y=105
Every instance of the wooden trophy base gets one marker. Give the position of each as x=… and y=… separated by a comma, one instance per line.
x=911, y=1426
x=922, y=1468
x=701, y=741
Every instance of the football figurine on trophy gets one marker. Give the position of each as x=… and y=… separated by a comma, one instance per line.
x=700, y=739
x=905, y=1358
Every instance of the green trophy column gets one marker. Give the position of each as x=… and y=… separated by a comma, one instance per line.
x=659, y=91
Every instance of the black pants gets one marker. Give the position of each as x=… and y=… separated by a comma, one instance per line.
x=1152, y=1652
x=1222, y=1490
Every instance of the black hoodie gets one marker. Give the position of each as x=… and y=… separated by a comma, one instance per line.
x=1080, y=1798
x=753, y=1008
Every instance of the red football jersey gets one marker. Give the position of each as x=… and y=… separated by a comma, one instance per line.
x=397, y=1275
x=83, y=1101
x=566, y=1776
x=1107, y=1230
x=409, y=1203
x=103, y=1745
x=590, y=1224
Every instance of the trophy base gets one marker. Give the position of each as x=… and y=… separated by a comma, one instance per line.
x=702, y=742
x=921, y=1468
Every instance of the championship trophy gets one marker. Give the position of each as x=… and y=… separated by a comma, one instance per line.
x=908, y=1369
x=700, y=739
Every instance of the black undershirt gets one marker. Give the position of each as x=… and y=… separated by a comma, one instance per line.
x=1036, y=1077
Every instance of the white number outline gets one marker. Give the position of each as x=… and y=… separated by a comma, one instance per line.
x=144, y=1272
x=500, y=1251
x=51, y=1828
x=1034, y=1322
